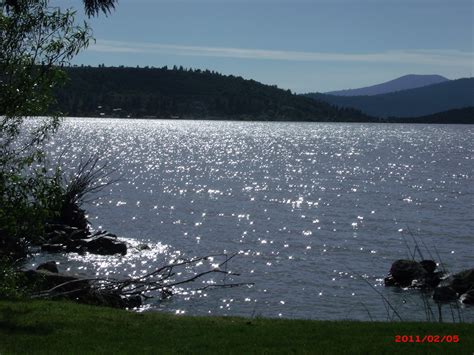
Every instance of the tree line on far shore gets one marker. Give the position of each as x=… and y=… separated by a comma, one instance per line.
x=186, y=93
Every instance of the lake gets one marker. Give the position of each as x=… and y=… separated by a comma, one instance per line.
x=317, y=212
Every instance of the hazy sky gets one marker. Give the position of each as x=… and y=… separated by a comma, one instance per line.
x=318, y=45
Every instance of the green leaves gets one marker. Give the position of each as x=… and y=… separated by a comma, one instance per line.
x=94, y=7
x=36, y=41
x=12, y=281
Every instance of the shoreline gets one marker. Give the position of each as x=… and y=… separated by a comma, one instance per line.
x=232, y=119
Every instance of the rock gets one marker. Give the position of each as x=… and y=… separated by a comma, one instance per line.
x=102, y=245
x=76, y=246
x=389, y=281
x=49, y=266
x=468, y=297
x=78, y=234
x=410, y=273
x=132, y=301
x=110, y=235
x=432, y=280
x=63, y=238
x=444, y=294
x=463, y=281
x=107, y=246
x=56, y=236
x=74, y=216
x=51, y=227
x=53, y=248
x=103, y=298
x=99, y=232
x=62, y=234
x=46, y=280
x=404, y=272
x=110, y=299
x=429, y=265
x=143, y=247
x=166, y=293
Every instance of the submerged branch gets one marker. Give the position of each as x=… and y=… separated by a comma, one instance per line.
x=161, y=281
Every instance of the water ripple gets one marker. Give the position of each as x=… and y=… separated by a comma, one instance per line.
x=306, y=205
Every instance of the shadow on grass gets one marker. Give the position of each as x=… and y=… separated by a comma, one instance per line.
x=11, y=323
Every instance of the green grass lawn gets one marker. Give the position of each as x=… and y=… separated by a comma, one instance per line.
x=67, y=328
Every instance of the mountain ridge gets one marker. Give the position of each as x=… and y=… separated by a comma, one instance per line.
x=422, y=101
x=405, y=82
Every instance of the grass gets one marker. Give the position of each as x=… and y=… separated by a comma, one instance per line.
x=68, y=328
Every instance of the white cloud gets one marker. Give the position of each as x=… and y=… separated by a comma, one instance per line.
x=428, y=57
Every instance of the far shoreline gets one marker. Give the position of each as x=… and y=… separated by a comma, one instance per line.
x=234, y=119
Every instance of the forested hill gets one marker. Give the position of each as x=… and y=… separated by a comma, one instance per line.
x=463, y=115
x=406, y=82
x=181, y=93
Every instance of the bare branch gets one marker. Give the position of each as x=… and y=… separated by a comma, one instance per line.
x=161, y=280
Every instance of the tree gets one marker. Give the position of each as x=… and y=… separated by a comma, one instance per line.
x=36, y=41
x=91, y=7
x=94, y=7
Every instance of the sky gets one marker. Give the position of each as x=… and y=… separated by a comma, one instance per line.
x=302, y=45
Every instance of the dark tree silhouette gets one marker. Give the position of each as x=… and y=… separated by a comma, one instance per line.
x=91, y=7
x=164, y=93
x=94, y=7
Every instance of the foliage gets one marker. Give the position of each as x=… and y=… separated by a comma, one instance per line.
x=89, y=177
x=93, y=7
x=37, y=40
x=186, y=93
x=36, y=197
x=12, y=281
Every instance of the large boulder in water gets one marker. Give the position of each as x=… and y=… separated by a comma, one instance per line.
x=468, y=297
x=49, y=266
x=106, y=244
x=71, y=239
x=463, y=281
x=429, y=265
x=53, y=248
x=404, y=272
x=444, y=294
x=410, y=273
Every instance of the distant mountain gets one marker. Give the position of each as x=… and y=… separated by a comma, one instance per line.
x=422, y=101
x=181, y=93
x=406, y=82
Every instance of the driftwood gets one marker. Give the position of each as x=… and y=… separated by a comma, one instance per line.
x=162, y=282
